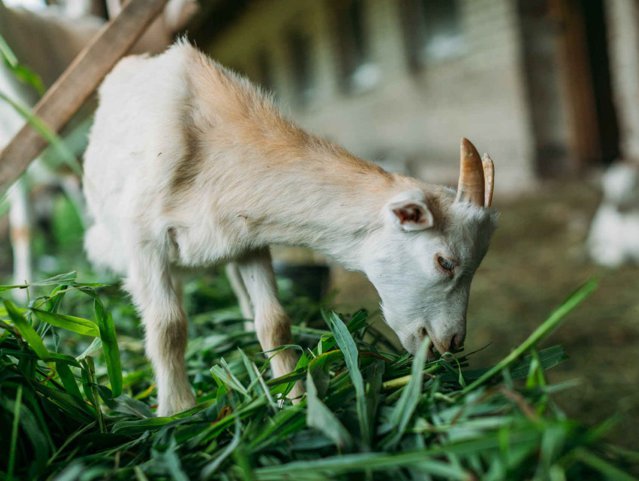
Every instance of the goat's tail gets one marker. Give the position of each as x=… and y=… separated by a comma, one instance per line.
x=103, y=250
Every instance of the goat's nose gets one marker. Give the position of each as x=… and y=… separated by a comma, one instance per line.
x=458, y=341
x=452, y=343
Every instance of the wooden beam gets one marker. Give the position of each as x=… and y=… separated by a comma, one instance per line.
x=77, y=83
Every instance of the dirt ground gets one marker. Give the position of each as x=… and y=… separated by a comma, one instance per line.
x=536, y=260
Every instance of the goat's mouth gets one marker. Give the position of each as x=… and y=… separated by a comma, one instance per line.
x=434, y=347
x=432, y=353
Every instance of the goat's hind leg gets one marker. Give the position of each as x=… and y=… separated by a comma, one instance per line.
x=158, y=299
x=239, y=289
x=272, y=325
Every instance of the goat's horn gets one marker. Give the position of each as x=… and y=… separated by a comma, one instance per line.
x=471, y=175
x=489, y=179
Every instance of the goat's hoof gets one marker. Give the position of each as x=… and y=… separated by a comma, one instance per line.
x=174, y=406
x=297, y=393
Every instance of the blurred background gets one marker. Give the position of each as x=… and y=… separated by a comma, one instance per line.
x=550, y=88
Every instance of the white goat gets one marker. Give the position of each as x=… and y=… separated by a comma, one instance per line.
x=190, y=165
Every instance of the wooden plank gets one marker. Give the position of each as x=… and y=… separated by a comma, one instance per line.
x=585, y=142
x=77, y=83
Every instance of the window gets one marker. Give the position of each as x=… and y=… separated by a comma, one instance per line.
x=300, y=55
x=356, y=69
x=433, y=30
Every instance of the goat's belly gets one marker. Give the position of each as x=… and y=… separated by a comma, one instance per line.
x=207, y=243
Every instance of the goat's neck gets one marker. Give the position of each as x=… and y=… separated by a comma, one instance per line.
x=329, y=201
x=291, y=188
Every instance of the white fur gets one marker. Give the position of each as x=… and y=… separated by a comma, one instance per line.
x=614, y=234
x=189, y=165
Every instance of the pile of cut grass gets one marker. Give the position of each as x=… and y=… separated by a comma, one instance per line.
x=71, y=409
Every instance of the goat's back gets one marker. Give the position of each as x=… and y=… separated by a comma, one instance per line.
x=193, y=157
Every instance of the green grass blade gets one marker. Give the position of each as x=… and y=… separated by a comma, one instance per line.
x=351, y=356
x=318, y=416
x=213, y=466
x=405, y=407
x=542, y=331
x=79, y=325
x=14, y=433
x=68, y=380
x=66, y=278
x=109, y=346
x=91, y=392
x=8, y=287
x=21, y=72
x=45, y=132
x=331, y=467
x=75, y=408
x=167, y=460
x=610, y=471
x=224, y=377
x=131, y=428
x=27, y=331
x=33, y=430
x=91, y=349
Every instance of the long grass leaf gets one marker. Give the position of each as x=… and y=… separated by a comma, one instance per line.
x=14, y=432
x=33, y=427
x=68, y=379
x=542, y=331
x=79, y=325
x=213, y=466
x=375, y=461
x=66, y=278
x=609, y=471
x=318, y=416
x=45, y=132
x=27, y=331
x=351, y=357
x=110, y=346
x=405, y=407
x=19, y=71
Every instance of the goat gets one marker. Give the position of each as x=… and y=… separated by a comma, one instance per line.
x=189, y=165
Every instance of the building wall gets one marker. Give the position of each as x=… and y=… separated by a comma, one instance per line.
x=547, y=87
x=409, y=119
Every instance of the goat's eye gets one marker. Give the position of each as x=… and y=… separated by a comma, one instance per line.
x=447, y=266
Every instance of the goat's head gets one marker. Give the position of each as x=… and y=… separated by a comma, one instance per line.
x=423, y=259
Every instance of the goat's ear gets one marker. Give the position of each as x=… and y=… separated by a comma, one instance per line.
x=410, y=212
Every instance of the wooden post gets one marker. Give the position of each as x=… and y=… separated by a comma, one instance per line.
x=77, y=83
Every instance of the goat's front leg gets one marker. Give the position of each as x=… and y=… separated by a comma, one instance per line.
x=159, y=302
x=272, y=325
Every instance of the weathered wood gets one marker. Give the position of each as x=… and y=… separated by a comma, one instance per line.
x=77, y=83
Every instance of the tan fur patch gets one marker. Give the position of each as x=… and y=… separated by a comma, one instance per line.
x=246, y=116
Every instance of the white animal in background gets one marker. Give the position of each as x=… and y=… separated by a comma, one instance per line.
x=614, y=233
x=189, y=165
